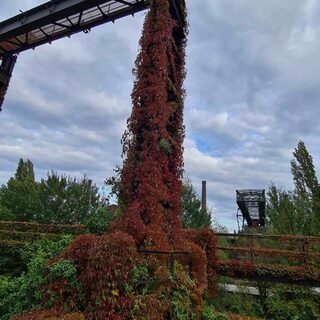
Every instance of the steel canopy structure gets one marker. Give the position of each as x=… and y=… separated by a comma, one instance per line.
x=252, y=204
x=57, y=19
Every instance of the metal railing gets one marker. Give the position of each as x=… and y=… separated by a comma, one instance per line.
x=282, y=258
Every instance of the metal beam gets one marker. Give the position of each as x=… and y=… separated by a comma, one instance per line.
x=252, y=205
x=47, y=13
x=6, y=69
x=38, y=25
x=57, y=19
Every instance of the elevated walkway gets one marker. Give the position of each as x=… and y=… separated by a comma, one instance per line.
x=57, y=19
x=61, y=18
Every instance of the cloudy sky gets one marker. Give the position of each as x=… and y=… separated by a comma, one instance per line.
x=252, y=92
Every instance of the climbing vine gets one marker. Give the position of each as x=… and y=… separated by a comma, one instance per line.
x=152, y=171
x=112, y=268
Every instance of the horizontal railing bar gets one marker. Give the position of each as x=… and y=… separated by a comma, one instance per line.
x=276, y=237
x=272, y=252
x=162, y=252
x=8, y=225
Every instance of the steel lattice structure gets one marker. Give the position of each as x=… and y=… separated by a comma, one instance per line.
x=252, y=204
x=60, y=18
x=57, y=19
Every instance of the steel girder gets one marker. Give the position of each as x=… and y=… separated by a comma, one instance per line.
x=61, y=18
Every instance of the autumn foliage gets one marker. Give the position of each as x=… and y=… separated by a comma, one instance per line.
x=152, y=171
x=104, y=265
x=107, y=266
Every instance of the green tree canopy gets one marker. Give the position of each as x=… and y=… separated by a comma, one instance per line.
x=19, y=199
x=68, y=200
x=303, y=172
x=56, y=199
x=297, y=211
x=192, y=216
x=25, y=171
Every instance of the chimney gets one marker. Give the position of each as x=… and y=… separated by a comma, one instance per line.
x=204, y=195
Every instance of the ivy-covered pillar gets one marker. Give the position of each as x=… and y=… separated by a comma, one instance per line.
x=153, y=142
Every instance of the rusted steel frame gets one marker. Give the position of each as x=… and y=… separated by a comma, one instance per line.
x=52, y=12
x=7, y=64
x=171, y=255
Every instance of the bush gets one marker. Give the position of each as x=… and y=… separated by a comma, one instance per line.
x=101, y=266
x=6, y=214
x=98, y=221
x=298, y=304
x=11, y=262
x=24, y=292
x=243, y=304
x=210, y=314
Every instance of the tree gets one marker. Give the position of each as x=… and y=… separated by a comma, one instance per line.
x=20, y=197
x=25, y=171
x=307, y=190
x=303, y=172
x=99, y=221
x=283, y=218
x=56, y=199
x=297, y=211
x=68, y=200
x=192, y=216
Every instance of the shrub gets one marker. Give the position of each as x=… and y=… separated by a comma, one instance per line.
x=99, y=220
x=24, y=292
x=103, y=266
x=298, y=304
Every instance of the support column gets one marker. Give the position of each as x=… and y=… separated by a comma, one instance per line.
x=6, y=69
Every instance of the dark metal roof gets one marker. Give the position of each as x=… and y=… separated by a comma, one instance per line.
x=56, y=19
x=252, y=203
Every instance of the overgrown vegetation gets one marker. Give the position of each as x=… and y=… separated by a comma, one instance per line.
x=122, y=270
x=281, y=303
x=56, y=199
x=150, y=194
x=25, y=292
x=192, y=215
x=296, y=211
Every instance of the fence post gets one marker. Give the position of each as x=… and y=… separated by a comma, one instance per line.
x=251, y=249
x=171, y=263
x=305, y=250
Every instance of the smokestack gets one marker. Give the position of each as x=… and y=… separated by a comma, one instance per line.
x=204, y=195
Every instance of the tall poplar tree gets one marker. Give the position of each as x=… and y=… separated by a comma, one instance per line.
x=307, y=190
x=297, y=211
x=303, y=171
